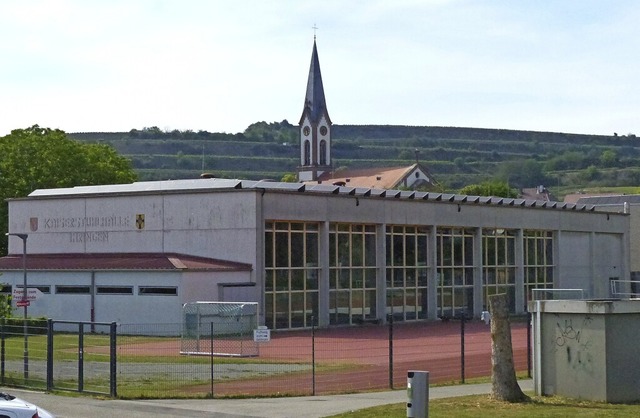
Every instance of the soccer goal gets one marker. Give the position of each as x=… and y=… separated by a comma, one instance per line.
x=219, y=328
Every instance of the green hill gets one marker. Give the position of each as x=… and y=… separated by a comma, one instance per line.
x=456, y=156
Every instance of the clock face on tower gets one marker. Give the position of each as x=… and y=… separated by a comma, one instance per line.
x=323, y=130
x=306, y=131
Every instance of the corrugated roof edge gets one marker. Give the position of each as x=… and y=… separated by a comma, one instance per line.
x=204, y=184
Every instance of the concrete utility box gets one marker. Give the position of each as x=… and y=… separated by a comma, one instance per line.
x=587, y=349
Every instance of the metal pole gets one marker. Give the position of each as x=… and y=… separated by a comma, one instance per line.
x=24, y=302
x=211, y=355
x=529, y=344
x=49, y=354
x=462, y=346
x=2, y=349
x=391, y=349
x=313, y=356
x=113, y=359
x=80, y=357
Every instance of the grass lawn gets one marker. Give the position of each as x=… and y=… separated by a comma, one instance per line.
x=482, y=406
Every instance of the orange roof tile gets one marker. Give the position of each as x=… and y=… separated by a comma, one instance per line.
x=374, y=178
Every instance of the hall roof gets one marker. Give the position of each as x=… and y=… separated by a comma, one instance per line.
x=203, y=185
x=120, y=261
x=603, y=200
x=375, y=178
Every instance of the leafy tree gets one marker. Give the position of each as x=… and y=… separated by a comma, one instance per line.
x=280, y=132
x=490, y=188
x=591, y=173
x=522, y=173
x=608, y=158
x=38, y=158
x=569, y=160
x=6, y=310
x=289, y=178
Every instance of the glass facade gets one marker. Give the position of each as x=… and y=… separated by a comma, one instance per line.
x=455, y=271
x=499, y=265
x=291, y=274
x=352, y=273
x=538, y=261
x=406, y=275
x=292, y=271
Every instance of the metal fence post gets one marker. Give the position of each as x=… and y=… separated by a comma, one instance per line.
x=49, y=354
x=211, y=355
x=391, y=352
x=529, y=344
x=313, y=356
x=2, y=349
x=80, y=357
x=462, y=346
x=112, y=360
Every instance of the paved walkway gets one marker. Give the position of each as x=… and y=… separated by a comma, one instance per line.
x=304, y=406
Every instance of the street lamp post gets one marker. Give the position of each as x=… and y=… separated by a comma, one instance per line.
x=24, y=301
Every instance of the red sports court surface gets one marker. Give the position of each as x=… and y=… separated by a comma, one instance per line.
x=351, y=359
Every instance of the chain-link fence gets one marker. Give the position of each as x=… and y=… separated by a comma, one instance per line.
x=133, y=360
x=309, y=362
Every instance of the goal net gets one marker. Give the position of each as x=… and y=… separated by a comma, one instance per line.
x=219, y=328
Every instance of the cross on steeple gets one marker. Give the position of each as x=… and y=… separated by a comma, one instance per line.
x=315, y=28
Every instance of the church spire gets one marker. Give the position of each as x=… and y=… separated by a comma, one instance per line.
x=315, y=126
x=315, y=104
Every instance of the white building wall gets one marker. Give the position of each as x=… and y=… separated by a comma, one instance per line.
x=103, y=308
x=139, y=309
x=63, y=307
x=133, y=308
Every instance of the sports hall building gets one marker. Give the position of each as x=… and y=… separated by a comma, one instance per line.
x=336, y=248
x=331, y=254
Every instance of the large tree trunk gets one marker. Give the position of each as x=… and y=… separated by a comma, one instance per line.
x=503, y=373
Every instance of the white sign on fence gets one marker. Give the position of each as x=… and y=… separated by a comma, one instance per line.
x=262, y=334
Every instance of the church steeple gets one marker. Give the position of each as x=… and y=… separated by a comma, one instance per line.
x=315, y=126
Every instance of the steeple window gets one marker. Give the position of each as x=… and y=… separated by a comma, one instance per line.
x=323, y=152
x=307, y=153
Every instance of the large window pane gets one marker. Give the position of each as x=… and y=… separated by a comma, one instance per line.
x=282, y=249
x=297, y=250
x=311, y=250
x=370, y=250
x=268, y=249
x=297, y=309
x=357, y=250
x=297, y=279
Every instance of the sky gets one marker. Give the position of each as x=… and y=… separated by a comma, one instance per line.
x=114, y=65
